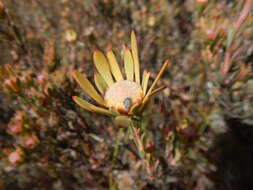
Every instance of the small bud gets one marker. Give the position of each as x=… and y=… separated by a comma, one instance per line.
x=210, y=34
x=122, y=121
x=14, y=128
x=16, y=156
x=70, y=35
x=12, y=83
x=149, y=147
x=29, y=141
x=42, y=78
x=151, y=21
x=18, y=117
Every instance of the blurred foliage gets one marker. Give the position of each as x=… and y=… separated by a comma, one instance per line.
x=48, y=142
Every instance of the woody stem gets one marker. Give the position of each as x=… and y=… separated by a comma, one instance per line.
x=135, y=128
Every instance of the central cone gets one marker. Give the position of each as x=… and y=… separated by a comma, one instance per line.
x=122, y=95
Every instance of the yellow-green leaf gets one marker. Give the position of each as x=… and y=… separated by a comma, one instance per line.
x=100, y=83
x=165, y=65
x=122, y=121
x=157, y=90
x=103, y=67
x=87, y=87
x=86, y=105
x=129, y=65
x=135, y=57
x=114, y=66
x=135, y=108
x=145, y=79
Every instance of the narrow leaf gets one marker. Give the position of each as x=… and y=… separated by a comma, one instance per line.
x=145, y=79
x=165, y=65
x=87, y=87
x=135, y=57
x=86, y=105
x=103, y=67
x=114, y=66
x=100, y=83
x=129, y=65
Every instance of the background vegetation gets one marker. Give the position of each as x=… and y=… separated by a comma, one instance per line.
x=198, y=131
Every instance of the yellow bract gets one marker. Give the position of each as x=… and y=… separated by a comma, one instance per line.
x=145, y=78
x=87, y=87
x=103, y=67
x=129, y=65
x=165, y=65
x=114, y=66
x=135, y=57
x=100, y=83
x=86, y=105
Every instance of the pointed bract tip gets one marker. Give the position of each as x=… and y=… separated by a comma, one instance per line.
x=96, y=51
x=167, y=63
x=132, y=33
x=74, y=73
x=146, y=71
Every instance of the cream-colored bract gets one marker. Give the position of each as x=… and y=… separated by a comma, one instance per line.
x=118, y=95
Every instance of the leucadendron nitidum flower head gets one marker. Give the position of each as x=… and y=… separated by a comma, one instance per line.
x=115, y=93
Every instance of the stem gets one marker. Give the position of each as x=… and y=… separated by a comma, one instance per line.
x=236, y=26
x=139, y=143
x=244, y=14
x=116, y=147
x=137, y=140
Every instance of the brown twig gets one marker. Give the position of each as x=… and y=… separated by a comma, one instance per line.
x=244, y=14
x=237, y=24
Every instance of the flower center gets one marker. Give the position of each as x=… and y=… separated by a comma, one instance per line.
x=122, y=95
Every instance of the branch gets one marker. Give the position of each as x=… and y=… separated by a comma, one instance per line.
x=236, y=26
